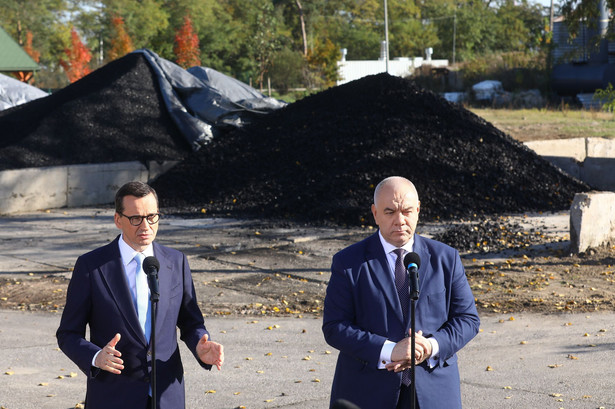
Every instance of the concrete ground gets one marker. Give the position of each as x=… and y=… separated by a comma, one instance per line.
x=516, y=361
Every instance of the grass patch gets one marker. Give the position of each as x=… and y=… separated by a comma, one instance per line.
x=537, y=124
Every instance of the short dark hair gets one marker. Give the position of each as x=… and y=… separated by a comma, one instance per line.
x=137, y=189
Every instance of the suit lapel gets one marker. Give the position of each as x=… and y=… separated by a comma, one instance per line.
x=421, y=249
x=114, y=276
x=379, y=266
x=164, y=283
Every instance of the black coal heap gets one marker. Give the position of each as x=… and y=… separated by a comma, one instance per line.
x=114, y=114
x=317, y=161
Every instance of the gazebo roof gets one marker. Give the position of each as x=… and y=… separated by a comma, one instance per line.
x=13, y=57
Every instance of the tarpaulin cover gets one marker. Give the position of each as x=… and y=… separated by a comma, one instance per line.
x=14, y=92
x=202, y=100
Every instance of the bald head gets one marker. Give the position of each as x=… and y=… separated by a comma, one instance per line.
x=395, y=183
x=396, y=209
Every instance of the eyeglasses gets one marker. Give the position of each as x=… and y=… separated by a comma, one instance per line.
x=137, y=220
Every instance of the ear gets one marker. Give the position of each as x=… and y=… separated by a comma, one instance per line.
x=374, y=211
x=116, y=219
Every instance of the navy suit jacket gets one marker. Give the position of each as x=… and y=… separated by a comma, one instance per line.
x=99, y=297
x=362, y=310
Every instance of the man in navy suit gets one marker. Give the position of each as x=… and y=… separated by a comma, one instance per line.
x=364, y=320
x=102, y=294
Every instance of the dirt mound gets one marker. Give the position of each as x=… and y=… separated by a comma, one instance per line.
x=318, y=160
x=114, y=114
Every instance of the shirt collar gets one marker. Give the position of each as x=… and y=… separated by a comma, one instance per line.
x=388, y=247
x=128, y=253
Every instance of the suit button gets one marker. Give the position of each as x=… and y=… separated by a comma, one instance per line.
x=149, y=353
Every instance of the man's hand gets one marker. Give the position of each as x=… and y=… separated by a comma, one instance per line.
x=108, y=359
x=210, y=352
x=401, y=355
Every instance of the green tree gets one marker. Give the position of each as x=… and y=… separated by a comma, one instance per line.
x=50, y=34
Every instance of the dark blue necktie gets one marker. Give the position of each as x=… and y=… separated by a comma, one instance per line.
x=401, y=283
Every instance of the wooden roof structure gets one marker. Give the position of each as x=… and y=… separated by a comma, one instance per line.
x=14, y=60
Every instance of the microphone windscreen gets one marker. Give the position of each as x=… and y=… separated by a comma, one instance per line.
x=343, y=404
x=412, y=258
x=151, y=265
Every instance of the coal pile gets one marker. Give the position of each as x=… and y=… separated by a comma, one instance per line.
x=318, y=160
x=115, y=114
x=491, y=235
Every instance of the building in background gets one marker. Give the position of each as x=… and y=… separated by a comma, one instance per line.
x=401, y=66
x=14, y=60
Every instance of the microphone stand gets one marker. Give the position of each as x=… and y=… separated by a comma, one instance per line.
x=414, y=295
x=154, y=297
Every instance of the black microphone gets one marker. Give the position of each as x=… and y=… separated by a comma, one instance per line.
x=151, y=265
x=412, y=262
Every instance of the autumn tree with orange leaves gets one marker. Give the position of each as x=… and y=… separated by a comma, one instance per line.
x=186, y=47
x=121, y=43
x=78, y=57
x=36, y=56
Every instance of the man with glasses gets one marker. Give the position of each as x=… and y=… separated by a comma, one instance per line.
x=108, y=294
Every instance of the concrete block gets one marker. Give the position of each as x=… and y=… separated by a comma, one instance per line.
x=600, y=148
x=24, y=190
x=97, y=183
x=568, y=165
x=592, y=220
x=158, y=168
x=599, y=173
x=572, y=148
x=33, y=189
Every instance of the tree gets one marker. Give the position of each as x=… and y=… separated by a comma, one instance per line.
x=77, y=58
x=121, y=44
x=187, y=45
x=28, y=48
x=265, y=42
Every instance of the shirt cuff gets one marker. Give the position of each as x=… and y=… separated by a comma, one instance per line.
x=385, y=354
x=94, y=359
x=435, y=351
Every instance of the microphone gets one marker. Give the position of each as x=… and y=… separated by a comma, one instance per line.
x=412, y=262
x=151, y=265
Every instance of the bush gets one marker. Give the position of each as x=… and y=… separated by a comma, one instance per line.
x=287, y=70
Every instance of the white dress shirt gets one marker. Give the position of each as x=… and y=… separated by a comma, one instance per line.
x=387, y=348
x=130, y=269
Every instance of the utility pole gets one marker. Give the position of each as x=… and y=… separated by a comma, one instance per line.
x=551, y=19
x=386, y=36
x=455, y=32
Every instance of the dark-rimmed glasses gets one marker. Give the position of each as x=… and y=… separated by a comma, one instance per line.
x=137, y=220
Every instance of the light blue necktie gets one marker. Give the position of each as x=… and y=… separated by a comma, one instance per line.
x=142, y=296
